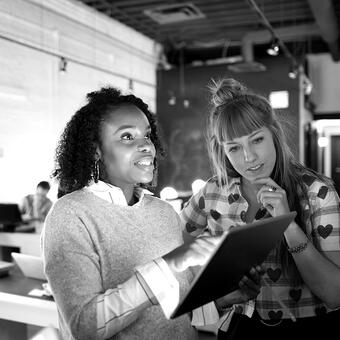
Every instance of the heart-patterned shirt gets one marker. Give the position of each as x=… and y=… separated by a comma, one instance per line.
x=215, y=209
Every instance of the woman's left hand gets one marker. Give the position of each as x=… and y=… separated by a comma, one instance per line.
x=250, y=284
x=272, y=197
x=249, y=288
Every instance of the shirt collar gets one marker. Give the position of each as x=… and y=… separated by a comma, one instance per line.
x=113, y=194
x=233, y=182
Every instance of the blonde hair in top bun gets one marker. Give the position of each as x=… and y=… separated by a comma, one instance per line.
x=225, y=90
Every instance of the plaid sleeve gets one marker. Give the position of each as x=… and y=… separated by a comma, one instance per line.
x=193, y=216
x=326, y=217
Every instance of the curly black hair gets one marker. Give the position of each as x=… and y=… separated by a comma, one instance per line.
x=75, y=153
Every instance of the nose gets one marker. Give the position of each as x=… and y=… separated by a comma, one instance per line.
x=145, y=145
x=249, y=154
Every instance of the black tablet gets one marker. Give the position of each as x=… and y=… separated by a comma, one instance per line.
x=240, y=249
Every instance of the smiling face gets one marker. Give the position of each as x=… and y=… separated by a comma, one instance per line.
x=253, y=156
x=126, y=150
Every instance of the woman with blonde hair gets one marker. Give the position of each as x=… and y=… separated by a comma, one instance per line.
x=256, y=176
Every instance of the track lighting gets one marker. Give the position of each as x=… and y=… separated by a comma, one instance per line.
x=62, y=65
x=307, y=84
x=293, y=72
x=274, y=48
x=172, y=99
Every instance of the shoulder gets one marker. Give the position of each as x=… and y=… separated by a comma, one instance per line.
x=213, y=189
x=317, y=184
x=212, y=181
x=69, y=204
x=321, y=191
x=211, y=185
x=48, y=201
x=199, y=201
x=157, y=203
x=67, y=215
x=162, y=211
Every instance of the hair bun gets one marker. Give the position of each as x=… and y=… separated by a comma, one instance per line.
x=225, y=90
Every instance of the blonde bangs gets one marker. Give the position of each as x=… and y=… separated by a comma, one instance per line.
x=238, y=120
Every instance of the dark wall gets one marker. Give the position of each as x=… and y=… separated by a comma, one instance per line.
x=184, y=128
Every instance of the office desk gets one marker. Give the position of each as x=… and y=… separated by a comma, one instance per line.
x=29, y=243
x=16, y=305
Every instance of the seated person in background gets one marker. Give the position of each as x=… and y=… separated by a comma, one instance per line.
x=36, y=206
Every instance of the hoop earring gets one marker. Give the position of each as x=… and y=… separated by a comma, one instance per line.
x=96, y=171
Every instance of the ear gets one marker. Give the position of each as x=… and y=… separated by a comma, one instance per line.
x=98, y=154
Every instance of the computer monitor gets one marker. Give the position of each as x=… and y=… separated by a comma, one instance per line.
x=10, y=216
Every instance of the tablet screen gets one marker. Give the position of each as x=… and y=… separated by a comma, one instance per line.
x=240, y=249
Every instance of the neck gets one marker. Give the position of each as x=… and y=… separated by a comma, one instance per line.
x=128, y=193
x=128, y=190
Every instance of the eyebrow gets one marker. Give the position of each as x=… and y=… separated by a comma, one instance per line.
x=251, y=135
x=125, y=127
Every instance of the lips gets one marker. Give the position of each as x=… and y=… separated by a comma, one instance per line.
x=145, y=163
x=255, y=168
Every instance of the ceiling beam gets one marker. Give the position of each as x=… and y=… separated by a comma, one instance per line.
x=325, y=18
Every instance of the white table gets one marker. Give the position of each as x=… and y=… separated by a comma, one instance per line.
x=18, y=309
x=29, y=243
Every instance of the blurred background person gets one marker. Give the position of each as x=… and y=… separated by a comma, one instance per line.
x=34, y=207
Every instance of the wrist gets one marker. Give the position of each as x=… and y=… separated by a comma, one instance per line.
x=296, y=239
x=229, y=300
x=174, y=261
x=299, y=248
x=170, y=262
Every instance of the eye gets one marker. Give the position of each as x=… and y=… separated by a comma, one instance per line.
x=258, y=140
x=234, y=149
x=126, y=136
x=148, y=135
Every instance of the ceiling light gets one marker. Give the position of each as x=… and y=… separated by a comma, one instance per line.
x=274, y=48
x=186, y=103
x=293, y=72
x=307, y=85
x=62, y=65
x=322, y=142
x=168, y=193
x=197, y=185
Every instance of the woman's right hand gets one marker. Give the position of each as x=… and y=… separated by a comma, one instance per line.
x=194, y=253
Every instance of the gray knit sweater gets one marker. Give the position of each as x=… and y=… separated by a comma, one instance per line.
x=91, y=245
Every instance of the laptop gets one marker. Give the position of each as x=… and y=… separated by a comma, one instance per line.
x=239, y=250
x=30, y=265
x=10, y=216
x=5, y=268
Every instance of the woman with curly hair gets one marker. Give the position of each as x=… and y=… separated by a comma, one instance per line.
x=113, y=253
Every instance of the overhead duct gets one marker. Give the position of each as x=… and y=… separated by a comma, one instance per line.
x=324, y=14
x=292, y=33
